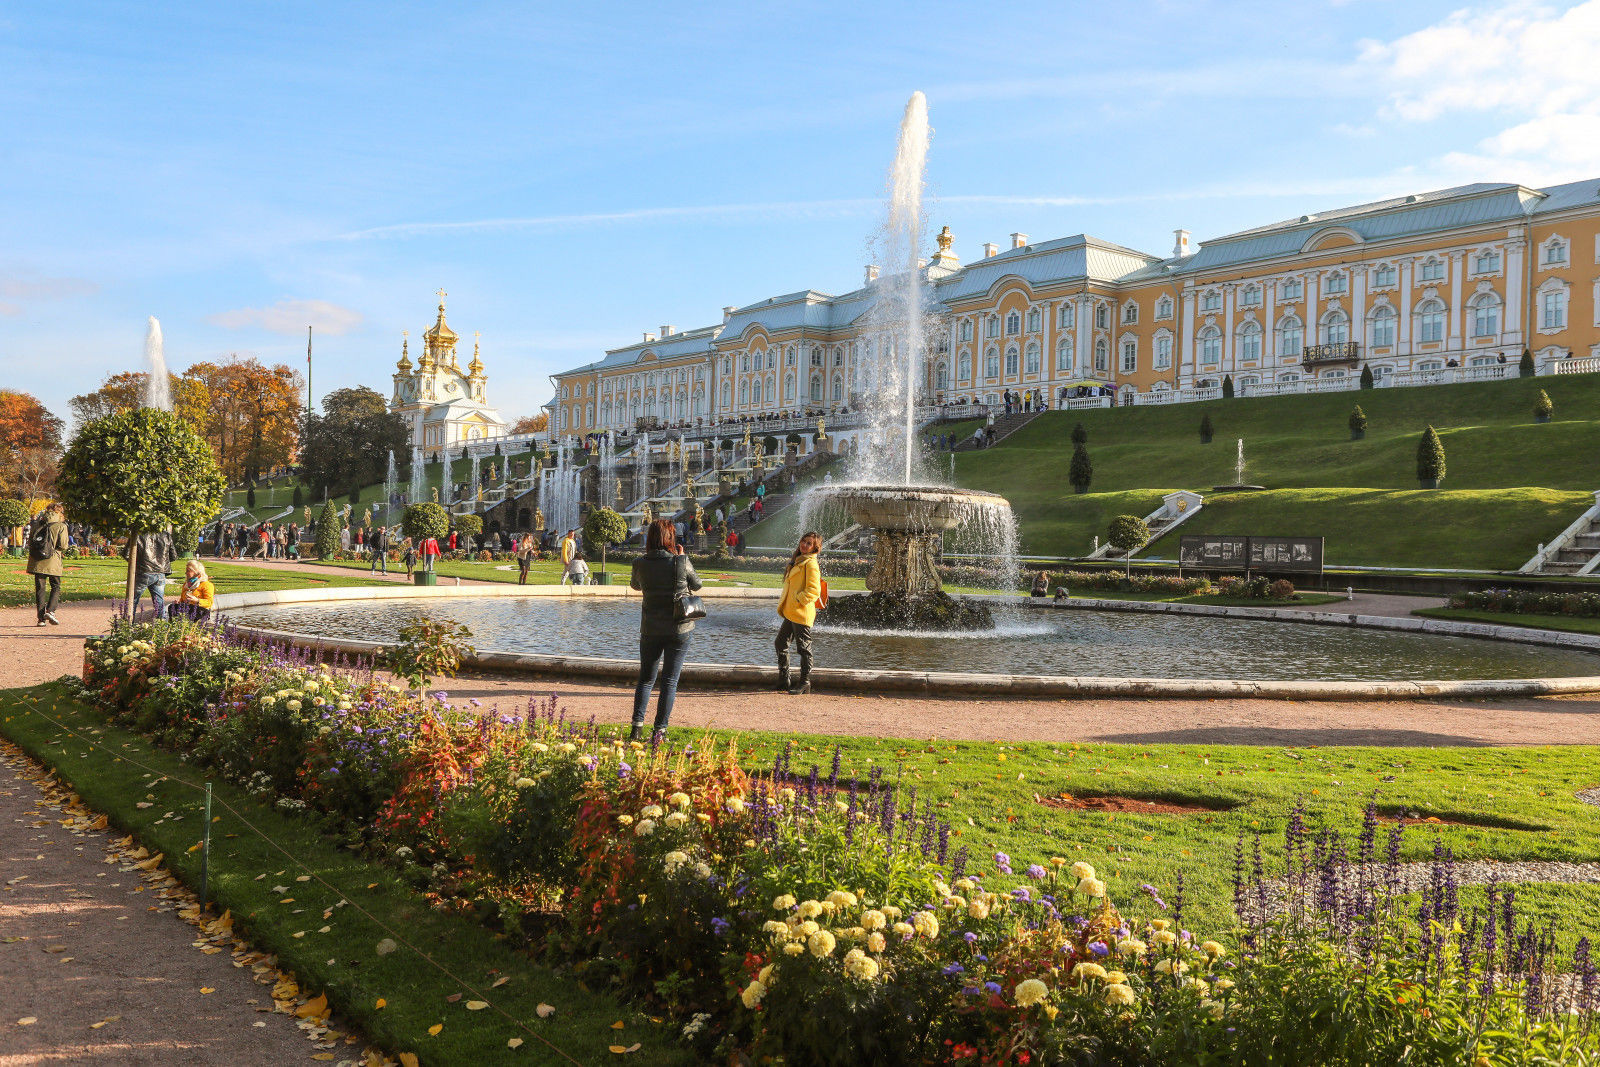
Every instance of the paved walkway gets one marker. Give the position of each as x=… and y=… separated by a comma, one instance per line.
x=397, y=572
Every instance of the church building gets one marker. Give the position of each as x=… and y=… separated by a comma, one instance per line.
x=444, y=404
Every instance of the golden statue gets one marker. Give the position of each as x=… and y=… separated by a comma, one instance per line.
x=619, y=491
x=688, y=486
x=436, y=494
x=480, y=494
x=945, y=240
x=747, y=437
x=822, y=430
x=492, y=474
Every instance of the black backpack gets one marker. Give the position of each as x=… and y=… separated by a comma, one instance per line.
x=41, y=545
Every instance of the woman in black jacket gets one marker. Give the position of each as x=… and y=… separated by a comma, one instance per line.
x=662, y=574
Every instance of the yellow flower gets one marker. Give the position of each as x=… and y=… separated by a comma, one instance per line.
x=840, y=806
x=809, y=909
x=736, y=804
x=872, y=919
x=783, y=903
x=1132, y=947
x=1057, y=862
x=1171, y=967
x=1113, y=977
x=1081, y=870
x=1222, y=985
x=1159, y=924
x=1164, y=937
x=1088, y=970
x=978, y=909
x=1091, y=887
x=903, y=929
x=625, y=820
x=821, y=943
x=1213, y=949
x=842, y=898
x=891, y=912
x=876, y=942
x=925, y=923
x=776, y=928
x=1119, y=995
x=793, y=948
x=1029, y=992
x=679, y=800
x=752, y=994
x=645, y=828
x=765, y=977
x=675, y=819
x=673, y=860
x=858, y=964
x=1212, y=1008
x=524, y=783
x=808, y=928
x=786, y=793
x=965, y=885
x=651, y=811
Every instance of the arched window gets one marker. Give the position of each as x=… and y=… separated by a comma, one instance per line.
x=1101, y=317
x=755, y=394
x=966, y=329
x=1033, y=320
x=1250, y=296
x=1130, y=313
x=1211, y=301
x=1130, y=357
x=1293, y=289
x=1064, y=317
x=1485, y=314
x=838, y=388
x=838, y=357
x=788, y=356
x=1030, y=363
x=788, y=388
x=1064, y=355
x=964, y=367
x=1011, y=361
x=1210, y=345
x=1100, y=353
x=991, y=363
x=1384, y=277
x=1555, y=252
x=727, y=396
x=1164, y=352
x=744, y=362
x=1013, y=324
x=1250, y=341
x=1553, y=309
x=941, y=376
x=1486, y=263
x=683, y=407
x=1291, y=336
x=1334, y=284
x=1432, y=270
x=1383, y=327
x=1430, y=321
x=993, y=329
x=744, y=394
x=1164, y=308
x=816, y=388
x=1336, y=328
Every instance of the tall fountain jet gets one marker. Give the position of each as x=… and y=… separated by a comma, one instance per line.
x=903, y=295
x=157, y=389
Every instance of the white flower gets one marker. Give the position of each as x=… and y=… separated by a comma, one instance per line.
x=673, y=860
x=344, y=705
x=793, y=948
x=293, y=705
x=675, y=819
x=821, y=943
x=1091, y=887
x=736, y=804
x=702, y=871
x=1119, y=995
x=524, y=783
x=1082, y=870
x=859, y=965
x=784, y=902
x=1029, y=992
x=752, y=995
x=925, y=923
x=651, y=811
x=872, y=919
x=679, y=800
x=539, y=747
x=645, y=828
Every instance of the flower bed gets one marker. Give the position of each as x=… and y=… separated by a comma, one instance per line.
x=818, y=920
x=1530, y=602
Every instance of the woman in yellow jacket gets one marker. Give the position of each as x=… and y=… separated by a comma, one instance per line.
x=802, y=589
x=196, y=599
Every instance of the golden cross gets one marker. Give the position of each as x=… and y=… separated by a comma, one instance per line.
x=405, y=333
x=441, y=294
x=476, y=334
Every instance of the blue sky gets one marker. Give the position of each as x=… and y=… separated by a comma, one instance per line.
x=576, y=175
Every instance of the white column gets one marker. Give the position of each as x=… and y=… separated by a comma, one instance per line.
x=1403, y=341
x=1358, y=306
x=1457, y=267
x=1313, y=334
x=1516, y=246
x=1269, y=332
x=1083, y=325
x=1229, y=295
x=1185, y=354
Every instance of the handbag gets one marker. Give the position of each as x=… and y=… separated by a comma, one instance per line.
x=688, y=607
x=822, y=597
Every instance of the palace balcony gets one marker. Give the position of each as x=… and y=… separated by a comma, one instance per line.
x=1328, y=355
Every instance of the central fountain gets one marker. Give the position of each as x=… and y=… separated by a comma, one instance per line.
x=909, y=520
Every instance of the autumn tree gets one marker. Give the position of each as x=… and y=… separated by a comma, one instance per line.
x=532, y=423
x=348, y=445
x=30, y=441
x=125, y=392
x=252, y=416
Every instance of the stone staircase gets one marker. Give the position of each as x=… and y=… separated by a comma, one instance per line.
x=1175, y=508
x=1575, y=552
x=1004, y=426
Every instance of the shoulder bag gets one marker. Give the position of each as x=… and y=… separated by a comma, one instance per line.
x=687, y=607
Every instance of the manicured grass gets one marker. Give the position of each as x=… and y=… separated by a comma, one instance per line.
x=1302, y=443
x=97, y=578
x=1570, y=623
x=344, y=961
x=987, y=791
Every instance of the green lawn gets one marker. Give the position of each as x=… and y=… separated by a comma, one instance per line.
x=98, y=578
x=1511, y=483
x=327, y=946
x=1570, y=623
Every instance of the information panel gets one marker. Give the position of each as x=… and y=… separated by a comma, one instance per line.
x=1228, y=552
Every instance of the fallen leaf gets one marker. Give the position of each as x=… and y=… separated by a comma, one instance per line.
x=323, y=1056
x=303, y=878
x=477, y=1005
x=386, y=946
x=435, y=1028
x=498, y=982
x=617, y=1025
x=207, y=989
x=452, y=998
x=620, y=1051
x=515, y=1042
x=315, y=1008
x=27, y=1020
x=408, y=1059
x=544, y=1011
x=381, y=1004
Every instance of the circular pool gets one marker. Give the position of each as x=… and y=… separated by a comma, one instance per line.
x=1026, y=641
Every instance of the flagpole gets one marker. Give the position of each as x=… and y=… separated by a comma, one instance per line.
x=308, y=372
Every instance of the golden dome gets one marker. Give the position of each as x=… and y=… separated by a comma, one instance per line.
x=475, y=368
x=440, y=334
x=404, y=366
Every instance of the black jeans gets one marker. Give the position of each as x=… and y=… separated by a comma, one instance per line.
x=666, y=652
x=801, y=636
x=46, y=601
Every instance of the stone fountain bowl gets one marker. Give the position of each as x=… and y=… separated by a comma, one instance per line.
x=910, y=508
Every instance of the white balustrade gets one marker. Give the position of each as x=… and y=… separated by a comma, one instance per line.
x=1579, y=365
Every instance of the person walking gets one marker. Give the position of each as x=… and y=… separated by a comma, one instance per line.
x=46, y=541
x=430, y=553
x=408, y=556
x=155, y=551
x=453, y=539
x=380, y=550
x=525, y=552
x=797, y=606
x=569, y=552
x=197, y=594
x=662, y=575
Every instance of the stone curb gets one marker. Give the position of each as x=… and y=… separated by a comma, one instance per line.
x=951, y=683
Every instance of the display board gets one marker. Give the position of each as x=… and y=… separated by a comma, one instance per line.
x=1230, y=552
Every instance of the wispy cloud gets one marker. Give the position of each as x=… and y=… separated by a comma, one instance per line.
x=795, y=208
x=15, y=291
x=292, y=317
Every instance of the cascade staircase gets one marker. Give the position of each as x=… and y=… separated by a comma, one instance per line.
x=1004, y=426
x=1575, y=552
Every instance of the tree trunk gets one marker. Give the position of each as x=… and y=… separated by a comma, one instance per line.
x=133, y=563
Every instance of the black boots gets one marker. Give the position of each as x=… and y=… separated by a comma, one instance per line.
x=802, y=684
x=783, y=678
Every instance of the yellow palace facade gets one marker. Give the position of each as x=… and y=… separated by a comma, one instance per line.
x=1450, y=285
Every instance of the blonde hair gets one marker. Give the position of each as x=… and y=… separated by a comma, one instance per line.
x=198, y=567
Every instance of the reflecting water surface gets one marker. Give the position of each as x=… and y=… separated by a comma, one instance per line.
x=1027, y=641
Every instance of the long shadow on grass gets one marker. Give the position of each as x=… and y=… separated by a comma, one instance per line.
x=1258, y=735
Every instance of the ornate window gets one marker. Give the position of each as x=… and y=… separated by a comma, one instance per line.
x=1130, y=357
x=1210, y=345
x=1432, y=270
x=966, y=329
x=1011, y=362
x=1101, y=318
x=1293, y=289
x=1100, y=355
x=1485, y=314
x=1336, y=328
x=1486, y=263
x=1553, y=309
x=1065, y=316
x=1250, y=296
x=1555, y=252
x=1164, y=308
x=755, y=394
x=1384, y=277
x=1335, y=284
x=941, y=376
x=1064, y=355
x=1033, y=320
x=838, y=388
x=1130, y=313
x=1430, y=321
x=745, y=363
x=788, y=388
x=744, y=394
x=1163, y=352
x=816, y=388
x=964, y=367
x=1013, y=324
x=1211, y=300
x=991, y=363
x=1030, y=363
x=1291, y=336
x=1250, y=341
x=1382, y=332
x=838, y=357
x=993, y=326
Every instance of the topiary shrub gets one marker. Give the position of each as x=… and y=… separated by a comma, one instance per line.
x=298, y=500
x=469, y=525
x=1080, y=436
x=1358, y=423
x=13, y=513
x=1525, y=367
x=1227, y=387
x=604, y=527
x=328, y=525
x=354, y=496
x=1430, y=459
x=1367, y=379
x=1081, y=473
x=425, y=520
x=1207, y=431
x=1128, y=533
x=250, y=496
x=1543, y=408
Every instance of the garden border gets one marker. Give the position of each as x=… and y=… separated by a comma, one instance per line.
x=952, y=683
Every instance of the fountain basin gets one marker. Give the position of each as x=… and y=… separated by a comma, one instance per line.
x=1238, y=488
x=919, y=509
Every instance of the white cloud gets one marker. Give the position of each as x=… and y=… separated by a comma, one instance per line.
x=13, y=288
x=291, y=316
x=1532, y=64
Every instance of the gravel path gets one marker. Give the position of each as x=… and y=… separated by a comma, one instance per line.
x=102, y=965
